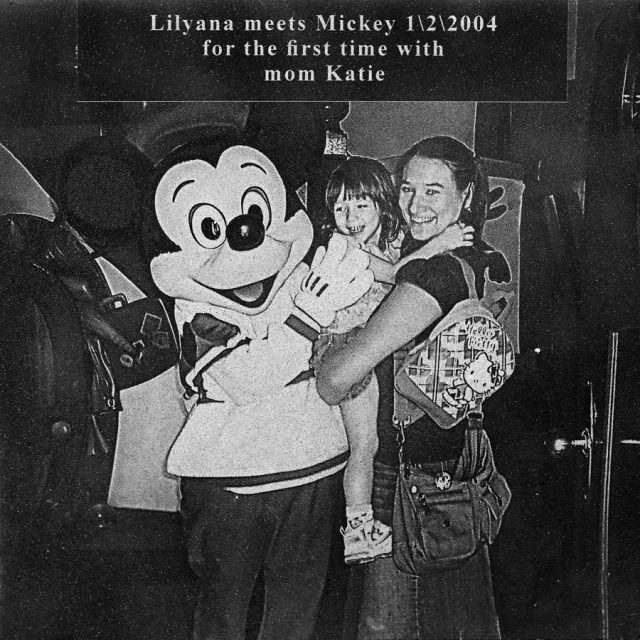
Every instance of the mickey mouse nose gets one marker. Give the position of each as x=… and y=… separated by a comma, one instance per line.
x=246, y=232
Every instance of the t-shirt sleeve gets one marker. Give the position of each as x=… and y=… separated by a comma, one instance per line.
x=440, y=276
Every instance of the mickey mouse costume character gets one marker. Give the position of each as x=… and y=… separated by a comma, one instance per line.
x=260, y=450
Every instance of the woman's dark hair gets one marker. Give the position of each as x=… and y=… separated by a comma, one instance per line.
x=466, y=171
x=361, y=177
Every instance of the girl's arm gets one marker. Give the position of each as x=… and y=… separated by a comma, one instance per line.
x=404, y=313
x=451, y=238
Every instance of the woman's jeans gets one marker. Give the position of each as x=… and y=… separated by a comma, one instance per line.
x=397, y=606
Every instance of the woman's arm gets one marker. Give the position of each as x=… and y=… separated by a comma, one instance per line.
x=405, y=312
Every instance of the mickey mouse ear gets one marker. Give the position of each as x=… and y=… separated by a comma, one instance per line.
x=101, y=183
x=161, y=128
x=288, y=133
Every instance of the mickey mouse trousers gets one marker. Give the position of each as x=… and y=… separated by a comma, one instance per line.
x=232, y=537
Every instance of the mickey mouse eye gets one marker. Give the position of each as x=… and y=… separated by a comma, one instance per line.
x=208, y=226
x=256, y=205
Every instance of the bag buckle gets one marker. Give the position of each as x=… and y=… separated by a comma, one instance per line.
x=399, y=425
x=475, y=418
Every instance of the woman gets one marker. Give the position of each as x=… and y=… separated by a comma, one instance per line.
x=440, y=184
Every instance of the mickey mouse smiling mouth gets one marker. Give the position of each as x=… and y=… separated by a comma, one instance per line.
x=250, y=295
x=236, y=248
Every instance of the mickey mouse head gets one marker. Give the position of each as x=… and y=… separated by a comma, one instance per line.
x=228, y=220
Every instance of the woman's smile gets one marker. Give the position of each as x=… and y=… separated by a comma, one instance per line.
x=422, y=219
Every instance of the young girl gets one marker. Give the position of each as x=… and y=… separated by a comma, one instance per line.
x=362, y=200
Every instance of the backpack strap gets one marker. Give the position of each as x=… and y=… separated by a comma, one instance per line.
x=469, y=276
x=401, y=411
x=499, y=303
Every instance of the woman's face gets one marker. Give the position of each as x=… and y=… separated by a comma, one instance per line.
x=357, y=217
x=429, y=199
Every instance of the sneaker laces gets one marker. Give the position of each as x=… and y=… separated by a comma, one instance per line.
x=380, y=533
x=356, y=522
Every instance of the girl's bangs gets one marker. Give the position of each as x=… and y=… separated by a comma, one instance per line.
x=355, y=188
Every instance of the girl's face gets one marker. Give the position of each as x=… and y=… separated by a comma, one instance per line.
x=429, y=198
x=357, y=217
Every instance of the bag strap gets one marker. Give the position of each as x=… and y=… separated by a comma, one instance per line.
x=403, y=410
x=469, y=276
x=499, y=303
x=400, y=420
x=472, y=440
x=468, y=463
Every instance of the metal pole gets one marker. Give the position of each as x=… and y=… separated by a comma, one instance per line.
x=603, y=565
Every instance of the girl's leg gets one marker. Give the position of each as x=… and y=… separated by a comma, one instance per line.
x=364, y=538
x=360, y=415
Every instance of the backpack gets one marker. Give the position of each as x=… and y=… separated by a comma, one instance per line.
x=467, y=357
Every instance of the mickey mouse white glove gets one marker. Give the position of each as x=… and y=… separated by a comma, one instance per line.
x=338, y=278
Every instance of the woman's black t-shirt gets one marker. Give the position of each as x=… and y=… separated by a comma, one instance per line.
x=441, y=277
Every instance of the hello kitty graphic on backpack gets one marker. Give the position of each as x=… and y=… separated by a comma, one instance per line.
x=467, y=357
